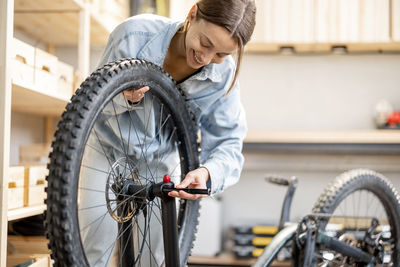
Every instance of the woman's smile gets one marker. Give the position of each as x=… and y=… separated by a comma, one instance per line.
x=197, y=59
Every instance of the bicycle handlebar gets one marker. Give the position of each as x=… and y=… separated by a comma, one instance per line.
x=189, y=190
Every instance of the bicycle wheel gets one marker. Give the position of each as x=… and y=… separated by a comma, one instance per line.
x=103, y=143
x=364, y=212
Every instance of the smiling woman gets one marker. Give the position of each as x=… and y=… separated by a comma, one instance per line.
x=197, y=53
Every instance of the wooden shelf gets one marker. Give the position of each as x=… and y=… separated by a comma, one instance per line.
x=25, y=212
x=223, y=260
x=324, y=137
x=226, y=259
x=56, y=22
x=35, y=101
x=254, y=47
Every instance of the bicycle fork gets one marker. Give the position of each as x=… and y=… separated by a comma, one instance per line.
x=168, y=218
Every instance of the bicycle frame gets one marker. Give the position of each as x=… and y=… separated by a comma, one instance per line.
x=310, y=239
x=309, y=236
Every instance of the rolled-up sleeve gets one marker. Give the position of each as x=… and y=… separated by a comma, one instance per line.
x=223, y=130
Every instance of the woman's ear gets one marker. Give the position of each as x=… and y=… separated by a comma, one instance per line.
x=192, y=13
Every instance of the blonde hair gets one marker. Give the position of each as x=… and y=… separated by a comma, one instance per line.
x=236, y=16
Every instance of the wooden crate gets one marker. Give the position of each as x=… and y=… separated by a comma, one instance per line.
x=65, y=79
x=45, y=61
x=16, y=187
x=46, y=81
x=24, y=52
x=22, y=63
x=35, y=183
x=34, y=195
x=15, y=197
x=45, y=71
x=35, y=174
x=16, y=175
x=22, y=73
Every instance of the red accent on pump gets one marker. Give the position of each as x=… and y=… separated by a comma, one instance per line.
x=166, y=179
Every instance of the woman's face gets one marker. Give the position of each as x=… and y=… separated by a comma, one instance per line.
x=207, y=43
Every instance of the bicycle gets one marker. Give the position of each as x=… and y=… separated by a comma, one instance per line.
x=107, y=201
x=339, y=234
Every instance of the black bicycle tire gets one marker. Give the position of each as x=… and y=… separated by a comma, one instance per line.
x=70, y=137
x=362, y=179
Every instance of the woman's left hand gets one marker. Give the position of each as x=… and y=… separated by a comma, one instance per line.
x=194, y=179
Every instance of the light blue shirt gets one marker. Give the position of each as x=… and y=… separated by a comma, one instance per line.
x=220, y=117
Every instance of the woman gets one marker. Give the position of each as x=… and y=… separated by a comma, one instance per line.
x=197, y=54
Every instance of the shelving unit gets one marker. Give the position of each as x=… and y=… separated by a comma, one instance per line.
x=324, y=137
x=34, y=101
x=46, y=20
x=25, y=212
x=59, y=22
x=260, y=47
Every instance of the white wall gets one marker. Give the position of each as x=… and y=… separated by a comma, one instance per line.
x=323, y=92
x=25, y=130
x=69, y=55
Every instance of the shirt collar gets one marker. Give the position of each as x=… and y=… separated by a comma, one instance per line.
x=156, y=50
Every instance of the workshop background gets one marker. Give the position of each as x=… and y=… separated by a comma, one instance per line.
x=320, y=83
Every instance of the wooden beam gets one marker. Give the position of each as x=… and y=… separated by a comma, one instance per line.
x=6, y=36
x=324, y=137
x=51, y=48
x=260, y=47
x=49, y=129
x=84, y=41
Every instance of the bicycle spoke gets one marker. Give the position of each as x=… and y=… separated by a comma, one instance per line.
x=102, y=147
x=119, y=130
x=95, y=169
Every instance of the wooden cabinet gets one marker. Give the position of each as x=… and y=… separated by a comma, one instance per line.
x=33, y=81
x=319, y=25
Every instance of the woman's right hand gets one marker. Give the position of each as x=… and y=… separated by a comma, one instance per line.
x=135, y=95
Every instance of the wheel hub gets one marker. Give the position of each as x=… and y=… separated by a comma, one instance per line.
x=123, y=204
